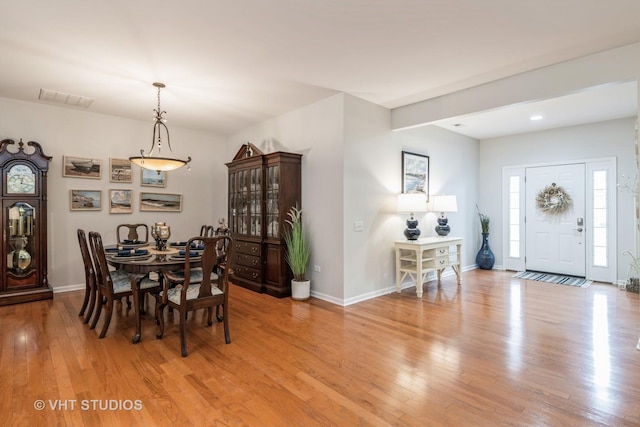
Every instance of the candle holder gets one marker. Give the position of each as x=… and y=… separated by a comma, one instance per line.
x=161, y=232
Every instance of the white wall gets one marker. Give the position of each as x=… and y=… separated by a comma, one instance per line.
x=592, y=141
x=316, y=132
x=71, y=132
x=351, y=171
x=453, y=160
x=371, y=181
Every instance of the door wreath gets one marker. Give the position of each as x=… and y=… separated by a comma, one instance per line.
x=553, y=199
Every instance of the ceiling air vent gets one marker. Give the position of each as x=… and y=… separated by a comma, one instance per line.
x=56, y=97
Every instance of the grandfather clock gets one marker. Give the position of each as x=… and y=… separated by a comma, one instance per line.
x=24, y=223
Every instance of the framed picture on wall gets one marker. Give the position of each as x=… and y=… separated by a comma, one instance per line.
x=85, y=200
x=120, y=170
x=160, y=202
x=120, y=201
x=415, y=173
x=150, y=178
x=80, y=167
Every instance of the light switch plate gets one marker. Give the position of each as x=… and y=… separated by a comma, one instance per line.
x=358, y=226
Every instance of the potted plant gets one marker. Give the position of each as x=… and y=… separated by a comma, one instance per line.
x=297, y=255
x=485, y=258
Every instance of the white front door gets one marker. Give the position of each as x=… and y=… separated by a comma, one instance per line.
x=555, y=243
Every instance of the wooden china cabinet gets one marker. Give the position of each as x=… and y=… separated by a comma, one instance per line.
x=24, y=223
x=262, y=189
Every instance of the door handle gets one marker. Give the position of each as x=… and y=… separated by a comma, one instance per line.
x=579, y=229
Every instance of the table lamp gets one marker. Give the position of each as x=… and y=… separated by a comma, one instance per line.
x=443, y=204
x=411, y=203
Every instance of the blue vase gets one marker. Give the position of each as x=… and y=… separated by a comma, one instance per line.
x=485, y=258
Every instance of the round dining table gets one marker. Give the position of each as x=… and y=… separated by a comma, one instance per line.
x=138, y=266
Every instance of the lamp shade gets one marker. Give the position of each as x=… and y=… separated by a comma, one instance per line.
x=412, y=202
x=444, y=204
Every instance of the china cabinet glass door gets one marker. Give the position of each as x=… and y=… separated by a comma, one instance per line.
x=273, y=223
x=256, y=202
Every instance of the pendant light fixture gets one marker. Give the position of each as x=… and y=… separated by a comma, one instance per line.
x=158, y=162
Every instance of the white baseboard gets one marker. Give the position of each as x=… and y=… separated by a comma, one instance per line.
x=68, y=288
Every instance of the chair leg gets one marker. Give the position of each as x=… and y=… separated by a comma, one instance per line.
x=87, y=294
x=218, y=316
x=92, y=305
x=183, y=334
x=225, y=318
x=99, y=304
x=209, y=316
x=107, y=320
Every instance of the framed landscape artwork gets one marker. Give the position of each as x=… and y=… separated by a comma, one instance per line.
x=85, y=200
x=160, y=202
x=151, y=178
x=80, y=167
x=415, y=173
x=120, y=201
x=120, y=170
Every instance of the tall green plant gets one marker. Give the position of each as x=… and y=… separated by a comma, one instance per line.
x=484, y=221
x=298, y=249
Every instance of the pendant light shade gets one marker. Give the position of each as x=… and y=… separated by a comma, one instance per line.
x=153, y=159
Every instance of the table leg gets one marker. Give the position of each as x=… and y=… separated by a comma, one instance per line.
x=419, y=273
x=456, y=269
x=136, y=307
x=398, y=276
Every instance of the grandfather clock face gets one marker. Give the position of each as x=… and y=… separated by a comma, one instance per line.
x=21, y=180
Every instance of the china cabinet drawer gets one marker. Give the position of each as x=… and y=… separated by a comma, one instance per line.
x=249, y=248
x=248, y=260
x=252, y=274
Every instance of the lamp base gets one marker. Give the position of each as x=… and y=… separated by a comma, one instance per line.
x=412, y=232
x=442, y=229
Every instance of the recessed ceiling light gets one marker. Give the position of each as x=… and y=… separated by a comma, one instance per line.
x=536, y=117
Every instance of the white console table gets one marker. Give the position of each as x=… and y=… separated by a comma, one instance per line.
x=416, y=258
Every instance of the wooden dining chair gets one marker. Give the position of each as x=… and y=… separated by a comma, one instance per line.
x=207, y=231
x=133, y=233
x=113, y=285
x=90, y=278
x=213, y=291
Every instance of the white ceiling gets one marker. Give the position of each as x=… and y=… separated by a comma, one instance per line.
x=230, y=63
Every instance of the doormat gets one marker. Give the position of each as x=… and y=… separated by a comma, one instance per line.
x=553, y=278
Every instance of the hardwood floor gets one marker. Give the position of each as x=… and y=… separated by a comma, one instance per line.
x=495, y=351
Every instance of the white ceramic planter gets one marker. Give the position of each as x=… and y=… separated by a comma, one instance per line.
x=300, y=291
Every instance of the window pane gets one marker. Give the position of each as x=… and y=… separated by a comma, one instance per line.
x=600, y=180
x=514, y=217
x=514, y=184
x=599, y=217
x=599, y=199
x=599, y=227
x=600, y=257
x=514, y=249
x=600, y=237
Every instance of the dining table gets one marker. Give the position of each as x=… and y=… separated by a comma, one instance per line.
x=137, y=266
